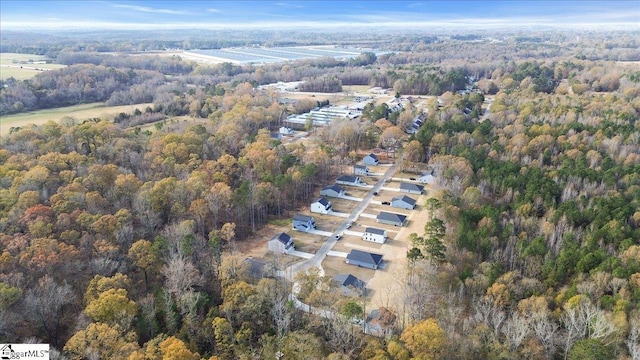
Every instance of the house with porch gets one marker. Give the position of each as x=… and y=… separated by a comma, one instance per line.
x=281, y=244
x=332, y=191
x=321, y=206
x=370, y=159
x=391, y=218
x=303, y=223
x=411, y=188
x=403, y=202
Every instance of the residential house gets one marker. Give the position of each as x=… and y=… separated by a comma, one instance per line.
x=375, y=235
x=257, y=269
x=370, y=159
x=403, y=202
x=350, y=285
x=321, y=206
x=426, y=178
x=364, y=259
x=303, y=223
x=332, y=191
x=381, y=322
x=349, y=180
x=391, y=218
x=285, y=130
x=281, y=244
x=360, y=170
x=411, y=188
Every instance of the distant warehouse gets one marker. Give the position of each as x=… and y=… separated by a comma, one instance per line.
x=322, y=116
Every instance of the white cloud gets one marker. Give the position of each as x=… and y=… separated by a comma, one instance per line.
x=152, y=10
x=212, y=10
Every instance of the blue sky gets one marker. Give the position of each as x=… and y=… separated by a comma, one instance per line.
x=337, y=14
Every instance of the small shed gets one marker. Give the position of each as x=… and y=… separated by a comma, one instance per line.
x=364, y=259
x=391, y=218
x=360, y=170
x=350, y=285
x=332, y=191
x=281, y=244
x=321, y=206
x=303, y=223
x=349, y=180
x=411, y=188
x=370, y=159
x=403, y=202
x=285, y=130
x=374, y=235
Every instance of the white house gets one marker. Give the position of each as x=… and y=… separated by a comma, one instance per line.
x=426, y=179
x=370, y=159
x=285, y=130
x=403, y=202
x=321, y=206
x=303, y=223
x=374, y=235
x=360, y=170
x=332, y=191
x=349, y=180
x=281, y=244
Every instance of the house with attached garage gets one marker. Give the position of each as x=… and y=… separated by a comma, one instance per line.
x=332, y=191
x=281, y=244
x=391, y=218
x=370, y=159
x=349, y=180
x=350, y=285
x=303, y=223
x=403, y=202
x=364, y=259
x=374, y=235
x=360, y=170
x=411, y=188
x=321, y=206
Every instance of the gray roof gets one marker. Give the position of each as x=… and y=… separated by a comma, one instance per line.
x=349, y=280
x=347, y=178
x=323, y=201
x=410, y=186
x=257, y=268
x=391, y=216
x=406, y=199
x=283, y=238
x=373, y=156
x=364, y=257
x=359, y=166
x=377, y=231
x=303, y=218
x=335, y=188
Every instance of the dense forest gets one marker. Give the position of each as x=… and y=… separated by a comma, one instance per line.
x=118, y=243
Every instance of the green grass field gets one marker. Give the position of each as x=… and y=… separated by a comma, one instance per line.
x=77, y=112
x=22, y=66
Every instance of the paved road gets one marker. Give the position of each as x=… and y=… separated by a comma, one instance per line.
x=316, y=260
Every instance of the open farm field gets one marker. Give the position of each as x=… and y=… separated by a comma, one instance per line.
x=23, y=66
x=76, y=112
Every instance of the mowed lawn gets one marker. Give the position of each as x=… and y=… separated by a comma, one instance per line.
x=21, y=66
x=76, y=112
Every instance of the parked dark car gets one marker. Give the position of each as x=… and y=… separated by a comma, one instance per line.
x=412, y=179
x=375, y=193
x=386, y=203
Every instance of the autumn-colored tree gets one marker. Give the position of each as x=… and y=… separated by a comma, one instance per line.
x=113, y=307
x=425, y=340
x=145, y=257
x=101, y=341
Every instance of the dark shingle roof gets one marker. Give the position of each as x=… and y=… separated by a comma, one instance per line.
x=303, y=218
x=373, y=156
x=412, y=187
x=406, y=199
x=360, y=166
x=323, y=201
x=283, y=238
x=391, y=217
x=349, y=280
x=335, y=188
x=348, y=178
x=364, y=257
x=371, y=230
